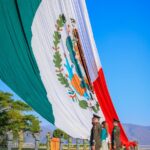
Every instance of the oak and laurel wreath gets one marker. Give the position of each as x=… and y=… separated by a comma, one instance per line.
x=57, y=56
x=60, y=22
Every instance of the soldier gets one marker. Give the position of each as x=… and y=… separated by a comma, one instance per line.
x=95, y=141
x=116, y=144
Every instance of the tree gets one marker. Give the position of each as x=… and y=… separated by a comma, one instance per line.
x=59, y=134
x=14, y=116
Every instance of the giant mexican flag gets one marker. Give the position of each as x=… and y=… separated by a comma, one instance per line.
x=49, y=58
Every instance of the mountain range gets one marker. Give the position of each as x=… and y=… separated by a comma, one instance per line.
x=134, y=132
x=138, y=133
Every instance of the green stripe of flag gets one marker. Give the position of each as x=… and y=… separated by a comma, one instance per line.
x=18, y=68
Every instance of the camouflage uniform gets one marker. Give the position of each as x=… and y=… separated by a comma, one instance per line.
x=116, y=138
x=95, y=136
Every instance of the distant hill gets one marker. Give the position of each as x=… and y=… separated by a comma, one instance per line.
x=44, y=130
x=138, y=133
x=134, y=132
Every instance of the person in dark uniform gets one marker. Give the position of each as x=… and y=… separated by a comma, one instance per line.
x=95, y=141
x=116, y=143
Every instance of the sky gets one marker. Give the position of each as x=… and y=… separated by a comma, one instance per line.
x=122, y=35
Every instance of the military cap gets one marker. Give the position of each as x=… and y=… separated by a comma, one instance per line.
x=96, y=116
x=116, y=120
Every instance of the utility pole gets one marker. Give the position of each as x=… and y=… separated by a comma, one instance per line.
x=48, y=141
x=37, y=139
x=9, y=139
